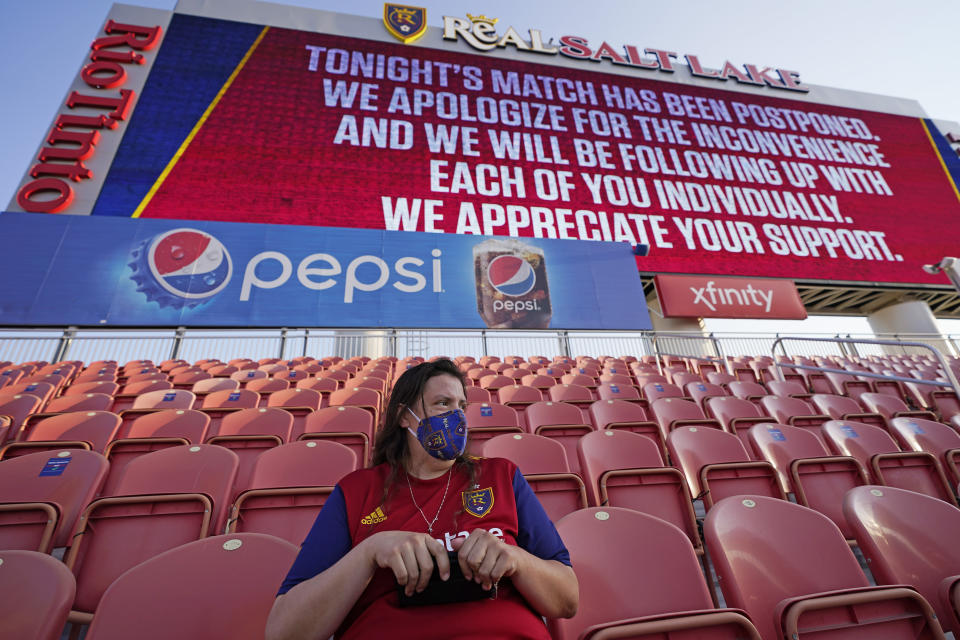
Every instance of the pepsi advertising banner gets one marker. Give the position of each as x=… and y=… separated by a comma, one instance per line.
x=91, y=270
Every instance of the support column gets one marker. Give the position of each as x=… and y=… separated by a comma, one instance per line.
x=672, y=325
x=910, y=320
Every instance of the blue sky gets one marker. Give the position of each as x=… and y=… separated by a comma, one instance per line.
x=882, y=46
x=906, y=49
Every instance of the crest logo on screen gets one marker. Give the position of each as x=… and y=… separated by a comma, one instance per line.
x=511, y=275
x=406, y=24
x=181, y=268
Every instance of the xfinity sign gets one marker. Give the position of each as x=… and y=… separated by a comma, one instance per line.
x=724, y=297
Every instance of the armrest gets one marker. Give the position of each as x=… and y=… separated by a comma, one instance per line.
x=671, y=622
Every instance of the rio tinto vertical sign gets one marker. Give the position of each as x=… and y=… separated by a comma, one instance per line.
x=76, y=151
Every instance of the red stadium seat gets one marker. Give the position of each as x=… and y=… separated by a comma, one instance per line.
x=366, y=399
x=843, y=408
x=75, y=430
x=236, y=574
x=152, y=432
x=796, y=413
x=543, y=462
x=936, y=438
x=716, y=466
x=700, y=391
x=788, y=389
x=250, y=432
x=67, y=480
x=299, y=403
x=16, y=407
x=37, y=593
x=672, y=413
x=910, y=539
x=574, y=394
x=561, y=422
x=288, y=486
x=518, y=397
x=808, y=583
x=488, y=419
x=623, y=469
x=817, y=479
x=653, y=391
x=129, y=392
x=849, y=385
x=164, y=499
x=476, y=394
x=720, y=377
x=877, y=452
x=643, y=581
x=202, y=388
x=42, y=390
x=751, y=391
x=79, y=388
x=891, y=407
x=620, y=414
x=350, y=426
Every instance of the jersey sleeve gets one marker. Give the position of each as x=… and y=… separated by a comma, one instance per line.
x=535, y=532
x=327, y=542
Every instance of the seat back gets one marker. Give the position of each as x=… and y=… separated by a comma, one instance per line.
x=908, y=538
x=231, y=399
x=165, y=399
x=69, y=479
x=37, y=593
x=94, y=427
x=544, y=464
x=184, y=469
x=80, y=402
x=835, y=406
x=236, y=574
x=695, y=448
x=611, y=450
x=643, y=567
x=151, y=432
x=351, y=426
x=766, y=551
x=560, y=421
x=288, y=486
x=781, y=444
x=677, y=412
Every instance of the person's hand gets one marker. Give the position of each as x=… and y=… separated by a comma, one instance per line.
x=485, y=558
x=410, y=556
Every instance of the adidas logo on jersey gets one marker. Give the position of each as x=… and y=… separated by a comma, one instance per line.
x=376, y=517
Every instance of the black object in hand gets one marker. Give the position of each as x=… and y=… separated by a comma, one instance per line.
x=454, y=589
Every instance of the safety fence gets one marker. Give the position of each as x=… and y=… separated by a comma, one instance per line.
x=158, y=344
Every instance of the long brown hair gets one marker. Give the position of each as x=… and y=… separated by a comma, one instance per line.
x=391, y=444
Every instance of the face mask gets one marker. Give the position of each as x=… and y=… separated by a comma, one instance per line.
x=443, y=436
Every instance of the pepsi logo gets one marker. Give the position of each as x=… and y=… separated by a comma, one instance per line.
x=511, y=275
x=181, y=268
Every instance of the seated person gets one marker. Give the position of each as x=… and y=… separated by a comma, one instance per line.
x=393, y=523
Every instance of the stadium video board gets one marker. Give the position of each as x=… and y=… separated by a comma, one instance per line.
x=243, y=122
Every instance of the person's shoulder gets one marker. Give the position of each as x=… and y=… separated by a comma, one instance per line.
x=495, y=465
x=363, y=478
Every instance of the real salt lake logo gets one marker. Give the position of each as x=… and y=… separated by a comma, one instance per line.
x=511, y=275
x=181, y=268
x=405, y=23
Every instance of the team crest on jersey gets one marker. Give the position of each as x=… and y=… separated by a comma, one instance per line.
x=376, y=517
x=479, y=502
x=406, y=24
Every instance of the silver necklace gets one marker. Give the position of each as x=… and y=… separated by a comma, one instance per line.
x=430, y=523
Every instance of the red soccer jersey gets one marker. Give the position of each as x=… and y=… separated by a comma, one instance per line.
x=500, y=501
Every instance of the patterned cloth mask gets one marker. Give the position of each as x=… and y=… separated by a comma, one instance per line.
x=443, y=436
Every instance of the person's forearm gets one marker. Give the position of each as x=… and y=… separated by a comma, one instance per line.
x=315, y=608
x=549, y=586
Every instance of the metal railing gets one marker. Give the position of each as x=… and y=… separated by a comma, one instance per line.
x=919, y=346
x=158, y=344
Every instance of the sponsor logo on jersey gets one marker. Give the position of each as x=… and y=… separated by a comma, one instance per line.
x=376, y=517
